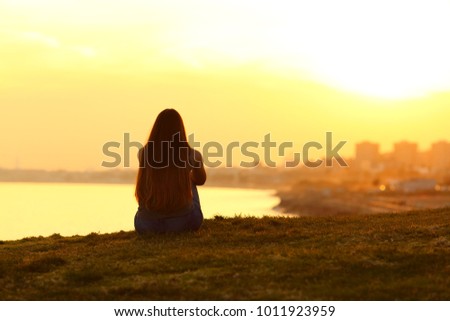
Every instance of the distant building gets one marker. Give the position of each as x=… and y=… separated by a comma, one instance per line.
x=405, y=154
x=367, y=155
x=440, y=155
x=424, y=159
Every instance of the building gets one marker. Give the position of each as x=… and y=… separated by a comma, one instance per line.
x=405, y=154
x=367, y=155
x=440, y=156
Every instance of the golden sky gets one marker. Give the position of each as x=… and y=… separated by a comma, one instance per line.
x=76, y=74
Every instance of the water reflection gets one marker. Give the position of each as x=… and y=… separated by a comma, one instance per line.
x=33, y=209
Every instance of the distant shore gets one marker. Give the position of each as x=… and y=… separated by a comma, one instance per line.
x=326, y=202
x=309, y=200
x=127, y=176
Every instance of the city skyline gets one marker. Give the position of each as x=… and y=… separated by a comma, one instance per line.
x=405, y=153
x=368, y=153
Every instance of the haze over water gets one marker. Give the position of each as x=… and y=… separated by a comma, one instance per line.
x=29, y=209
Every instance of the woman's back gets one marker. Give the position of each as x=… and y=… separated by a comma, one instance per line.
x=169, y=170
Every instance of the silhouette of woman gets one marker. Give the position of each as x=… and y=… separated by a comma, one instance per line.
x=169, y=172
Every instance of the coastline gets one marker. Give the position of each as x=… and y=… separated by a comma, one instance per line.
x=334, y=203
x=301, y=202
x=112, y=177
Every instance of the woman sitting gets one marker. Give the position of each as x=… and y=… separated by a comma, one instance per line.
x=169, y=172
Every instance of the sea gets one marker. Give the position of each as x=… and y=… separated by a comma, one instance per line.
x=43, y=209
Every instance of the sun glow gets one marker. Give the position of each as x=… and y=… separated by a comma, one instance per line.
x=387, y=49
x=375, y=70
x=392, y=49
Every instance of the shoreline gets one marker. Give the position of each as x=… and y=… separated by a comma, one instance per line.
x=335, y=203
x=80, y=182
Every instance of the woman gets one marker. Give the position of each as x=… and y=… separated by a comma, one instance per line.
x=169, y=171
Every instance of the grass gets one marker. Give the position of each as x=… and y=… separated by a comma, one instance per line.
x=373, y=257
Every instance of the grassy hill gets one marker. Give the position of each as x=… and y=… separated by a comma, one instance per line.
x=372, y=257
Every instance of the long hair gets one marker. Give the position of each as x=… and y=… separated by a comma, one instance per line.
x=163, y=182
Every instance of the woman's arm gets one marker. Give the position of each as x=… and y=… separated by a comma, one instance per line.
x=198, y=173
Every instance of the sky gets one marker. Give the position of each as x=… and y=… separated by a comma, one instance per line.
x=75, y=75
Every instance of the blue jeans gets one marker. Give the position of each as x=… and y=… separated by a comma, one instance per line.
x=191, y=221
